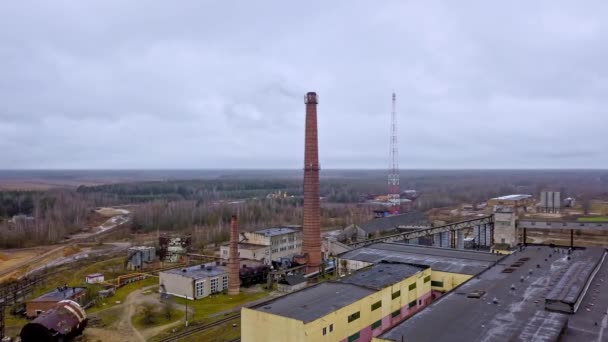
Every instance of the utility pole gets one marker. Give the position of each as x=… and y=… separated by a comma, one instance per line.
x=186, y=310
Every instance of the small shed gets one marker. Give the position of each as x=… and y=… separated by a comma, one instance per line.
x=292, y=283
x=94, y=278
x=49, y=300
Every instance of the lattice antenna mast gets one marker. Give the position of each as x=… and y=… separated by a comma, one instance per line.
x=393, y=174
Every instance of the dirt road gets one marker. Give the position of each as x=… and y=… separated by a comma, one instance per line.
x=122, y=329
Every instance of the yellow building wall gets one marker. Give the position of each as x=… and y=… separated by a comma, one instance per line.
x=259, y=326
x=339, y=318
x=450, y=280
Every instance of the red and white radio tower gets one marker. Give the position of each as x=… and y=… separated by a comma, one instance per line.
x=393, y=172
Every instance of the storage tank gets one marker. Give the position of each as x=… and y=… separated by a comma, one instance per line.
x=63, y=322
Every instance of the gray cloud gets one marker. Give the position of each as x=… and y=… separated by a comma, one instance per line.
x=126, y=84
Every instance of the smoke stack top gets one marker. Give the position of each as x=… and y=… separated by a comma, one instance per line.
x=311, y=246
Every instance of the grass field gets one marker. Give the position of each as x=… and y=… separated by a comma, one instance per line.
x=593, y=219
x=205, y=307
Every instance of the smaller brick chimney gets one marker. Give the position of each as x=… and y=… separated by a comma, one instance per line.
x=234, y=283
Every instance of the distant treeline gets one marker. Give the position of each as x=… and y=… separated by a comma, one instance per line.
x=40, y=217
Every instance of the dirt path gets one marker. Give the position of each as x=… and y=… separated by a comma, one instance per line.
x=124, y=321
x=123, y=329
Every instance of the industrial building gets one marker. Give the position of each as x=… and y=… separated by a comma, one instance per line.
x=539, y=293
x=173, y=249
x=383, y=225
x=62, y=322
x=49, y=300
x=194, y=282
x=519, y=202
x=355, y=308
x=139, y=256
x=450, y=267
x=267, y=245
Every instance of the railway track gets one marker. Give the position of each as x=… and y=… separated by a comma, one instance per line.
x=200, y=329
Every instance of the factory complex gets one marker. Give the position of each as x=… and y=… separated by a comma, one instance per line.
x=381, y=285
x=353, y=308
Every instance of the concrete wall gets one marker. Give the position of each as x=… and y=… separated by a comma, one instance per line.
x=177, y=285
x=449, y=280
x=261, y=327
x=262, y=253
x=505, y=230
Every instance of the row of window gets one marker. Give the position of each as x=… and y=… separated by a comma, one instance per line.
x=199, y=287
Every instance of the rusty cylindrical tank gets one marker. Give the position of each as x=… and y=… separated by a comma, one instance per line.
x=61, y=323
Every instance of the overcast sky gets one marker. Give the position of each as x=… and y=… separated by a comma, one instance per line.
x=220, y=84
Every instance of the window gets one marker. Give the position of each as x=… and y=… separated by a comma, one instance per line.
x=376, y=324
x=353, y=338
x=427, y=279
x=396, y=294
x=200, y=288
x=436, y=283
x=324, y=331
x=396, y=313
x=412, y=304
x=214, y=285
x=331, y=327
x=412, y=286
x=354, y=316
x=376, y=305
x=225, y=282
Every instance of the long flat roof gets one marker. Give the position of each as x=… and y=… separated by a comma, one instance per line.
x=582, y=325
x=316, y=301
x=439, y=259
x=517, y=314
x=59, y=294
x=197, y=272
x=382, y=275
x=275, y=231
x=513, y=197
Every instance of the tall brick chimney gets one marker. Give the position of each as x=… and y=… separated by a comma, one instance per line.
x=234, y=283
x=312, y=226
